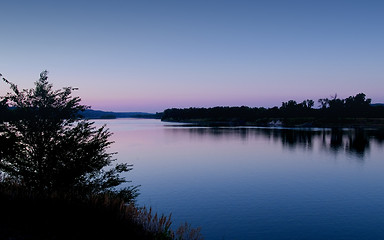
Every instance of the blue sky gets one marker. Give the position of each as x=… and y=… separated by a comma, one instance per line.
x=152, y=55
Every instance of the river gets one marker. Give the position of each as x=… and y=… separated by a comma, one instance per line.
x=257, y=183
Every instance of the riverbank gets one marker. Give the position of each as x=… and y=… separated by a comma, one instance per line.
x=354, y=111
x=365, y=123
x=27, y=215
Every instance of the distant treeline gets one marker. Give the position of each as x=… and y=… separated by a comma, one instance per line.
x=333, y=110
x=97, y=114
x=9, y=113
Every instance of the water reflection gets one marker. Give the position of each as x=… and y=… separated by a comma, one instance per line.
x=352, y=141
x=258, y=183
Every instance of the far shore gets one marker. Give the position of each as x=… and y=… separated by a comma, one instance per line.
x=364, y=123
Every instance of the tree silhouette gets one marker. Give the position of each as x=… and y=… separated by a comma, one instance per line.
x=45, y=145
x=331, y=112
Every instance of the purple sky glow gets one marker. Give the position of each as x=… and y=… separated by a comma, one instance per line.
x=152, y=55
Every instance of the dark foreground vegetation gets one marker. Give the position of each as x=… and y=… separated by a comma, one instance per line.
x=57, y=179
x=354, y=111
x=26, y=215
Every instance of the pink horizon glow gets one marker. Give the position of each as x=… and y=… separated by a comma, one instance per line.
x=158, y=105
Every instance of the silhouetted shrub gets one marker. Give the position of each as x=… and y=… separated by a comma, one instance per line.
x=45, y=146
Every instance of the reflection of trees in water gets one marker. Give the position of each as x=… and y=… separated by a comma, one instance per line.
x=358, y=142
x=336, y=139
x=292, y=138
x=378, y=135
x=353, y=141
x=219, y=133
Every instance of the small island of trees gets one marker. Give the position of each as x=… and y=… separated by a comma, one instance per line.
x=332, y=112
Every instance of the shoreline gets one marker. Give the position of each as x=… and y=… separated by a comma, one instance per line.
x=362, y=123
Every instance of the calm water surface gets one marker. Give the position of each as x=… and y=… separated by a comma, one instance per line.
x=256, y=183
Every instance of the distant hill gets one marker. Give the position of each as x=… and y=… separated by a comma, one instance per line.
x=98, y=114
x=377, y=104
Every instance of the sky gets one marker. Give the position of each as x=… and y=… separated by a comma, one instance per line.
x=152, y=55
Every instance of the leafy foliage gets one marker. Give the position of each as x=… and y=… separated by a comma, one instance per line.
x=46, y=146
x=332, y=109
